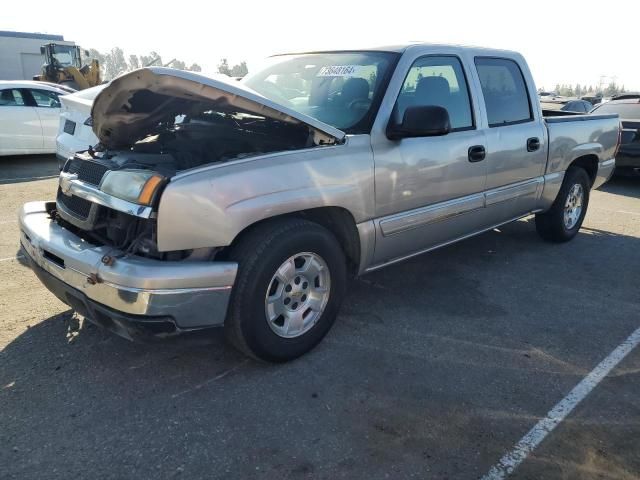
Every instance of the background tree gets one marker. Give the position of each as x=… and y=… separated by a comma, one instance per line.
x=613, y=89
x=150, y=60
x=239, y=70
x=180, y=65
x=134, y=62
x=115, y=64
x=223, y=67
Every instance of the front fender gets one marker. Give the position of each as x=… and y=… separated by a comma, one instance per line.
x=211, y=206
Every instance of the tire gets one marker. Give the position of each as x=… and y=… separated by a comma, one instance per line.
x=552, y=225
x=252, y=324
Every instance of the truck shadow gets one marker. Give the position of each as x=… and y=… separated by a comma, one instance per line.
x=458, y=281
x=621, y=185
x=400, y=368
x=26, y=168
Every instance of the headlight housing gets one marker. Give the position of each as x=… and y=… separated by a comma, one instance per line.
x=136, y=186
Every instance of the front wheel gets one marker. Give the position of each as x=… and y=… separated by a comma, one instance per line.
x=290, y=283
x=563, y=220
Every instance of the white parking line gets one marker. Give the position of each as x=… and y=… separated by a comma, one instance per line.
x=17, y=257
x=510, y=461
x=626, y=212
x=220, y=376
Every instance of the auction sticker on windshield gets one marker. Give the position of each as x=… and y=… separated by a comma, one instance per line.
x=339, y=71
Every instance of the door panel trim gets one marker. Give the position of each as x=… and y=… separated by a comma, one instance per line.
x=509, y=192
x=401, y=222
x=404, y=221
x=443, y=244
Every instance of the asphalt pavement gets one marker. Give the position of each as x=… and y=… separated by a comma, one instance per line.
x=435, y=368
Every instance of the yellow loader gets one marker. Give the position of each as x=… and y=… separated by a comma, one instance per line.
x=63, y=65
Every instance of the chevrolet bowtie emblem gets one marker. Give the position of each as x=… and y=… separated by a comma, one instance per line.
x=65, y=182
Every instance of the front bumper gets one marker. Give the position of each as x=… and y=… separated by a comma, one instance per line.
x=133, y=290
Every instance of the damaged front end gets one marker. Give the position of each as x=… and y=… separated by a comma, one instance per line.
x=107, y=205
x=153, y=123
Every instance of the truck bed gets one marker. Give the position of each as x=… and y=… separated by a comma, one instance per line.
x=575, y=135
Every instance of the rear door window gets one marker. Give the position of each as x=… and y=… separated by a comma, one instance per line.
x=45, y=98
x=504, y=90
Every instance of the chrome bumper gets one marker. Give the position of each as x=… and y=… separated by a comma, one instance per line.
x=194, y=294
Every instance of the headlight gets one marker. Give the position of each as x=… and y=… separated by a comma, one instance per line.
x=89, y=122
x=137, y=186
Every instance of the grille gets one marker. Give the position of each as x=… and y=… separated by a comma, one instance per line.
x=89, y=172
x=77, y=206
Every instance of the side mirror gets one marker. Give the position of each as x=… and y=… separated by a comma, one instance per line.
x=421, y=121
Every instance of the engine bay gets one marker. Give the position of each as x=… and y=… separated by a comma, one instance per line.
x=189, y=141
x=157, y=123
x=206, y=138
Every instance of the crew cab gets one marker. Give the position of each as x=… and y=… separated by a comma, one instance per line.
x=252, y=212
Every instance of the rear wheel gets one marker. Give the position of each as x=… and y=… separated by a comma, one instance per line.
x=290, y=283
x=563, y=220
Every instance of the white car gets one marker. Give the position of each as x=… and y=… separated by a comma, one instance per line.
x=75, y=131
x=29, y=117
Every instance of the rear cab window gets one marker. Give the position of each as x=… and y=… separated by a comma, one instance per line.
x=504, y=90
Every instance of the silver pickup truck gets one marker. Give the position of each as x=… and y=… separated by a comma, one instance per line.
x=249, y=204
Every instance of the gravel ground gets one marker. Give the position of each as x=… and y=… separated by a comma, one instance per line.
x=435, y=368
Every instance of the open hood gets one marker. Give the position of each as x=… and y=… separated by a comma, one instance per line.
x=134, y=103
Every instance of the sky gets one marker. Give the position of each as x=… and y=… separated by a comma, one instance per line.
x=604, y=42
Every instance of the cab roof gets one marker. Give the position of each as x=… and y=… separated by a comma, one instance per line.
x=402, y=47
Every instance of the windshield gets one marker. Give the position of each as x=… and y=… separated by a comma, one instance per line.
x=625, y=110
x=343, y=90
x=65, y=55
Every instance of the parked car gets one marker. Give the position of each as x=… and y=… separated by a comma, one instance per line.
x=29, y=114
x=628, y=109
x=626, y=96
x=592, y=99
x=75, y=132
x=252, y=213
x=575, y=106
x=547, y=95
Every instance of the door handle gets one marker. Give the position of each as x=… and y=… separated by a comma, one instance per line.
x=477, y=153
x=533, y=144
